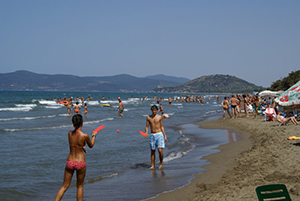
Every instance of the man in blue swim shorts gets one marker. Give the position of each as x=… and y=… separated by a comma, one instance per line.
x=158, y=137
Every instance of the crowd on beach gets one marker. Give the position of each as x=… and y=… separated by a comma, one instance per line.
x=257, y=105
x=234, y=105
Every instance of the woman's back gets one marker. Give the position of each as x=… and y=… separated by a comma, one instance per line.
x=76, y=142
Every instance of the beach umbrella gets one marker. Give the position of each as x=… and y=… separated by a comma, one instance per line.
x=290, y=99
x=269, y=93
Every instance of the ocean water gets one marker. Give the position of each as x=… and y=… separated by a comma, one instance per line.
x=34, y=150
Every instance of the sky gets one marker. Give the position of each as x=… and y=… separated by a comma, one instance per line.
x=258, y=41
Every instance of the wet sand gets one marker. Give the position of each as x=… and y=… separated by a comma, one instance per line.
x=263, y=156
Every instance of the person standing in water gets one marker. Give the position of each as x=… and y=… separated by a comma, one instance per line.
x=120, y=107
x=158, y=137
x=76, y=159
x=77, y=108
x=69, y=107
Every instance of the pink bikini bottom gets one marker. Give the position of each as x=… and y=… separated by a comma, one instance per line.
x=76, y=165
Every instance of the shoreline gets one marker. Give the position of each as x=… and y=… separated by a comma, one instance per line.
x=263, y=156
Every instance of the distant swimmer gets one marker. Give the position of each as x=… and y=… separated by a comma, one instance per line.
x=85, y=109
x=121, y=107
x=69, y=108
x=159, y=106
x=170, y=101
x=77, y=108
x=158, y=137
x=165, y=116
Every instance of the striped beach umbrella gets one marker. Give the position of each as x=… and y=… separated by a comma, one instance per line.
x=290, y=99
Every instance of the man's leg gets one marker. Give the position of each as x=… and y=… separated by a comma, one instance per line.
x=152, y=159
x=161, y=157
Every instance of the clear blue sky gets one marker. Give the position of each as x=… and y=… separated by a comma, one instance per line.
x=258, y=41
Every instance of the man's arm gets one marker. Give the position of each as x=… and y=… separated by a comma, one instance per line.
x=163, y=129
x=147, y=125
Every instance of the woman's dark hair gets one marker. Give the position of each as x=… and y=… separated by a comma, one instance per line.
x=77, y=120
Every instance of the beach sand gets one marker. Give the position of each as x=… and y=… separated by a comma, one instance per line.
x=263, y=156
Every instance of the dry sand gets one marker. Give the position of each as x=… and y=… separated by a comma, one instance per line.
x=263, y=156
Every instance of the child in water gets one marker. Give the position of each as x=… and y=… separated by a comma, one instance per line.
x=77, y=108
x=85, y=109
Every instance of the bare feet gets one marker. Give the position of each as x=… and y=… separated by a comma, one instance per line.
x=152, y=168
x=160, y=167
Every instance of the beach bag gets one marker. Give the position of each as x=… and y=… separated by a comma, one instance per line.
x=249, y=108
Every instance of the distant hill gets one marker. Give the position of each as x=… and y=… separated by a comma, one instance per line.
x=212, y=83
x=179, y=80
x=286, y=82
x=29, y=81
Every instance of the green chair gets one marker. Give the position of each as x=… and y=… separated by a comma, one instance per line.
x=272, y=192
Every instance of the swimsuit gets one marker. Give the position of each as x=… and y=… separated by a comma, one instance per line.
x=233, y=106
x=77, y=111
x=157, y=140
x=75, y=145
x=75, y=165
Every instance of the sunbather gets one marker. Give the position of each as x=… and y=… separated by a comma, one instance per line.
x=284, y=120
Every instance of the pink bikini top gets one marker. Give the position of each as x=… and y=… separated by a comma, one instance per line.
x=75, y=145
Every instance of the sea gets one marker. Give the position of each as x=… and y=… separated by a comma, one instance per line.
x=34, y=144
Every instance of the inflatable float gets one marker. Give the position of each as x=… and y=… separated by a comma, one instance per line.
x=293, y=138
x=64, y=103
x=105, y=105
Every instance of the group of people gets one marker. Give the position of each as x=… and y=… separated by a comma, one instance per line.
x=69, y=103
x=235, y=102
x=254, y=104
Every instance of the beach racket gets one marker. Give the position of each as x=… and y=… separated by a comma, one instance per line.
x=293, y=138
x=143, y=134
x=99, y=128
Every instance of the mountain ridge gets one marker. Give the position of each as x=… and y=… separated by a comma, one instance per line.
x=23, y=80
x=212, y=83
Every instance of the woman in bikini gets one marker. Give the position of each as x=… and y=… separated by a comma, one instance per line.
x=76, y=159
x=255, y=105
x=284, y=120
x=225, y=106
x=77, y=108
x=246, y=104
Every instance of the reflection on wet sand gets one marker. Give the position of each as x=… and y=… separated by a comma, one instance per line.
x=233, y=137
x=155, y=175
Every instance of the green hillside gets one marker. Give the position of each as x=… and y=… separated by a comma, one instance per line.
x=286, y=82
x=212, y=83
